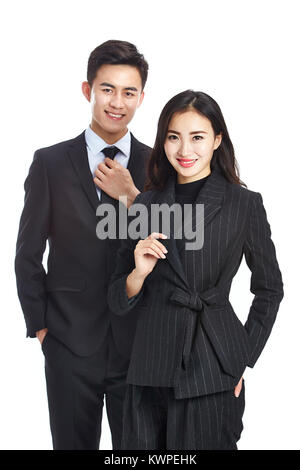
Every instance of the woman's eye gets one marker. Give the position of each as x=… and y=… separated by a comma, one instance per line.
x=172, y=137
x=198, y=137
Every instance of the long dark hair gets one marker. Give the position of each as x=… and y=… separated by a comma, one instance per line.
x=159, y=167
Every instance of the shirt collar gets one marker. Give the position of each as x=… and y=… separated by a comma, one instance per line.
x=96, y=144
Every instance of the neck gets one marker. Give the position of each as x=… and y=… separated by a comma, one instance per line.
x=189, y=179
x=109, y=137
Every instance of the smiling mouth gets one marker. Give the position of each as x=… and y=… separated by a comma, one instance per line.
x=186, y=162
x=114, y=116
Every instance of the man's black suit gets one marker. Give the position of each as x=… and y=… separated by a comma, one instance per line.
x=70, y=299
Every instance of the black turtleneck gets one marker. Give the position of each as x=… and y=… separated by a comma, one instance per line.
x=186, y=193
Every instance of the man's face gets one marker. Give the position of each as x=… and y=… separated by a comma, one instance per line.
x=115, y=95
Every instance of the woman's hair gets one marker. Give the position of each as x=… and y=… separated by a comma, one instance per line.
x=159, y=168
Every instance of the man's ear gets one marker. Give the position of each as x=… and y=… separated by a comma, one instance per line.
x=141, y=99
x=218, y=140
x=86, y=90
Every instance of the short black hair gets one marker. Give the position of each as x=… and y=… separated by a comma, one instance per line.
x=114, y=52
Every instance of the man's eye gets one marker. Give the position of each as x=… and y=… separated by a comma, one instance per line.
x=106, y=90
x=129, y=94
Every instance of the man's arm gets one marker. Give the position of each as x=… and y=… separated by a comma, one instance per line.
x=31, y=244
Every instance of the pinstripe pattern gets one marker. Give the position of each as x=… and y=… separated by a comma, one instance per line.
x=188, y=335
x=155, y=420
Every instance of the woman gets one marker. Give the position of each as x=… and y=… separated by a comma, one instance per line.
x=186, y=389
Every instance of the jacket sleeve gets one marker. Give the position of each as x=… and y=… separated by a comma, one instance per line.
x=117, y=298
x=31, y=243
x=266, y=281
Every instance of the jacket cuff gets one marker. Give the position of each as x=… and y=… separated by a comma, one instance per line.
x=32, y=329
x=121, y=304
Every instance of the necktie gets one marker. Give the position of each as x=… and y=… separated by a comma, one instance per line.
x=110, y=152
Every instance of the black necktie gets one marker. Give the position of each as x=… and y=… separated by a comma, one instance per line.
x=110, y=152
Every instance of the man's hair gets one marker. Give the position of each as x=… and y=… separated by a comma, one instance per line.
x=115, y=52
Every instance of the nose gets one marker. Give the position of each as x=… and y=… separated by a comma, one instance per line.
x=185, y=149
x=116, y=101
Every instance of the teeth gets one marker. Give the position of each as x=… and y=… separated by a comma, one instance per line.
x=115, y=115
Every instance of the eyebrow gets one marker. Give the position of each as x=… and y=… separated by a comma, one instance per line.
x=194, y=132
x=132, y=88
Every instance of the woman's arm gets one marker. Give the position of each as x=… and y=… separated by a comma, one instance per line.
x=118, y=300
x=266, y=280
x=132, y=268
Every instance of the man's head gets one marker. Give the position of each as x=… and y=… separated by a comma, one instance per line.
x=116, y=77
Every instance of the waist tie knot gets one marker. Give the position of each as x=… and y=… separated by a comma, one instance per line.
x=187, y=299
x=197, y=302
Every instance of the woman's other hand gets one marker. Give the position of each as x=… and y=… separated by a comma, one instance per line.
x=238, y=388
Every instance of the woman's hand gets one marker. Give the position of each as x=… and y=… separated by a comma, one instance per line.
x=147, y=252
x=238, y=388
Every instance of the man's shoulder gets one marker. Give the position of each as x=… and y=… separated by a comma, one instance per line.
x=140, y=145
x=60, y=147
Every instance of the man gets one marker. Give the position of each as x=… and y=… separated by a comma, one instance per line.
x=86, y=347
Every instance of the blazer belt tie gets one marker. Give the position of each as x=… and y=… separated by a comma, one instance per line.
x=197, y=302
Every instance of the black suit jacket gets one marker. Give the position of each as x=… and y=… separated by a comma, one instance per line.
x=188, y=335
x=60, y=206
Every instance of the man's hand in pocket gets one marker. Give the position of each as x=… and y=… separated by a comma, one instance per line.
x=41, y=334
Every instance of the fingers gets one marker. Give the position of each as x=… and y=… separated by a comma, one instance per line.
x=105, y=170
x=108, y=164
x=156, y=235
x=111, y=163
x=151, y=243
x=238, y=388
x=150, y=251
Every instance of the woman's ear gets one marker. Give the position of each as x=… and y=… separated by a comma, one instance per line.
x=218, y=140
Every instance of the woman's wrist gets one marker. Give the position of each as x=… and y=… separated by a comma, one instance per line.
x=134, y=283
x=137, y=275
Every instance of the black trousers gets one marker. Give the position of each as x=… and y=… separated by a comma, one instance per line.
x=76, y=387
x=155, y=420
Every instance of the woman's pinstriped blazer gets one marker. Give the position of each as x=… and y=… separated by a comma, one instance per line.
x=188, y=335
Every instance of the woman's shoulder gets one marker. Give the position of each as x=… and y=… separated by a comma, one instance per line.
x=239, y=191
x=242, y=199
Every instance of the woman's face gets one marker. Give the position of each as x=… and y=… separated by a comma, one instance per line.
x=190, y=144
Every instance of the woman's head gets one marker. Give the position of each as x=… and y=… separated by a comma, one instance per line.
x=192, y=139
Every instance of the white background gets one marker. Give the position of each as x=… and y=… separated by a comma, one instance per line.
x=243, y=53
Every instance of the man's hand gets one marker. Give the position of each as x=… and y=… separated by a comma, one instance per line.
x=41, y=334
x=115, y=180
x=238, y=388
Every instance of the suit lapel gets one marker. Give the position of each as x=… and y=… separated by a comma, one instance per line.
x=78, y=155
x=167, y=196
x=211, y=195
x=136, y=164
